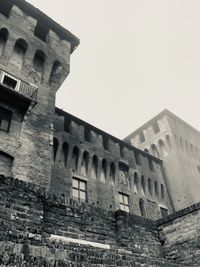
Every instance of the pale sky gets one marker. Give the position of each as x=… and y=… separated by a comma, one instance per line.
x=136, y=58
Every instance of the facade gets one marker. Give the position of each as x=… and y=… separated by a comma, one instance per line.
x=178, y=145
x=71, y=194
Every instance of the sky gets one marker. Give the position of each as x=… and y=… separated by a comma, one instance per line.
x=135, y=58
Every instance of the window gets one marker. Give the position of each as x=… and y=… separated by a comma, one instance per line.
x=151, y=166
x=142, y=138
x=156, y=127
x=19, y=52
x=137, y=158
x=79, y=190
x=10, y=81
x=142, y=208
x=164, y=212
x=5, y=119
x=124, y=202
x=38, y=61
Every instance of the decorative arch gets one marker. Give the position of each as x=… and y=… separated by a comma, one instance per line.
x=65, y=152
x=163, y=148
x=154, y=150
x=39, y=60
x=150, y=186
x=75, y=158
x=142, y=208
x=84, y=163
x=55, y=148
x=168, y=141
x=19, y=52
x=94, y=171
x=156, y=189
x=143, y=185
x=103, y=170
x=3, y=39
x=56, y=72
x=112, y=172
x=162, y=190
x=136, y=183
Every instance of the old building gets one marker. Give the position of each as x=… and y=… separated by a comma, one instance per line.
x=177, y=143
x=71, y=194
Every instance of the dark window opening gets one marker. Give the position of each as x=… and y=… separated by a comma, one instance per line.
x=124, y=202
x=156, y=127
x=137, y=158
x=151, y=166
x=105, y=142
x=5, y=119
x=41, y=32
x=87, y=134
x=9, y=82
x=55, y=148
x=94, y=172
x=38, y=61
x=5, y=7
x=112, y=172
x=142, y=208
x=79, y=190
x=56, y=72
x=65, y=151
x=67, y=125
x=142, y=138
x=75, y=158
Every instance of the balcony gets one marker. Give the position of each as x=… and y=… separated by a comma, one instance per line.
x=16, y=91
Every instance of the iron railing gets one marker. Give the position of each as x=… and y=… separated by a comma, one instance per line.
x=27, y=89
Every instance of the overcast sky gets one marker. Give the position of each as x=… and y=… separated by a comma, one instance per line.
x=136, y=58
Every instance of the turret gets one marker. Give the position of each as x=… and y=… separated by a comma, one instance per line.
x=34, y=61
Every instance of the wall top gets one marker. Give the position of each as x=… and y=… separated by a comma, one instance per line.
x=45, y=20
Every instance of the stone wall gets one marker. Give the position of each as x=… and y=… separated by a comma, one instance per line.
x=136, y=173
x=180, y=236
x=40, y=229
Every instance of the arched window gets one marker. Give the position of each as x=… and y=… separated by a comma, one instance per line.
x=168, y=141
x=94, y=172
x=3, y=39
x=19, y=52
x=38, y=61
x=151, y=166
x=112, y=172
x=186, y=146
x=150, y=186
x=84, y=163
x=154, y=150
x=65, y=151
x=103, y=170
x=56, y=72
x=75, y=158
x=162, y=148
x=162, y=191
x=142, y=208
x=181, y=144
x=55, y=148
x=143, y=185
x=136, y=183
x=156, y=188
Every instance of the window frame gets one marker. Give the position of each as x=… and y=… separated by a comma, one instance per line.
x=9, y=116
x=123, y=202
x=79, y=189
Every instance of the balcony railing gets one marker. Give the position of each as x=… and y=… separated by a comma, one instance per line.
x=27, y=89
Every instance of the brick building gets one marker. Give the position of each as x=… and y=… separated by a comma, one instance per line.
x=79, y=196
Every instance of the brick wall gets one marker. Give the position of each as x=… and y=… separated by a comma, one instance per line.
x=40, y=229
x=180, y=235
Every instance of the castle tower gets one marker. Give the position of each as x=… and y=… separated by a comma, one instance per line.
x=178, y=145
x=34, y=61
